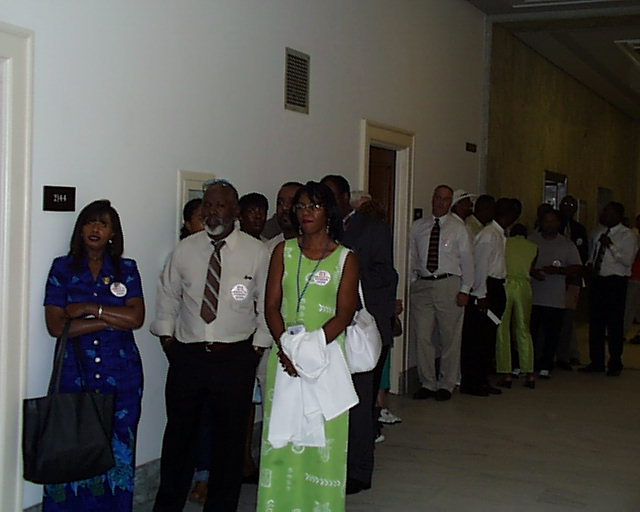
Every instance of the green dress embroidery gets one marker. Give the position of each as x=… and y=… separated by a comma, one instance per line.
x=305, y=479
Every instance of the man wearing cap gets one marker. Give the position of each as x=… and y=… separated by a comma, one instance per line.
x=441, y=278
x=462, y=205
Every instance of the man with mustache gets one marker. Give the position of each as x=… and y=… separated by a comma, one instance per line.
x=211, y=326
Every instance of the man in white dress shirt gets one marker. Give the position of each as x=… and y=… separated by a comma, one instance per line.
x=614, y=248
x=441, y=278
x=487, y=303
x=210, y=337
x=483, y=213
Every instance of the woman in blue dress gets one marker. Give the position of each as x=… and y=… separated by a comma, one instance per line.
x=101, y=293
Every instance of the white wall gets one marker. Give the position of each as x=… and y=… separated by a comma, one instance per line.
x=126, y=93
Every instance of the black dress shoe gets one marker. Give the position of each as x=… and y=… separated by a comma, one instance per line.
x=355, y=486
x=591, y=369
x=504, y=383
x=423, y=394
x=493, y=390
x=564, y=365
x=442, y=395
x=614, y=372
x=473, y=390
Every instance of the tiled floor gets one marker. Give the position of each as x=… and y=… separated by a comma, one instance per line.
x=573, y=444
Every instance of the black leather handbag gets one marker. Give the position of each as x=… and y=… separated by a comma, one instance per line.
x=66, y=436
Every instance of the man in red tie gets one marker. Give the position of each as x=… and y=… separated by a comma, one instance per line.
x=211, y=326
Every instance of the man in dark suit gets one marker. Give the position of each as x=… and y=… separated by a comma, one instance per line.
x=371, y=241
x=572, y=229
x=567, y=352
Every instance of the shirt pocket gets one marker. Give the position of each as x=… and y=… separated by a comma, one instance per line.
x=447, y=246
x=240, y=294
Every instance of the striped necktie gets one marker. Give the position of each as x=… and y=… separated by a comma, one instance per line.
x=434, y=246
x=209, y=306
x=597, y=263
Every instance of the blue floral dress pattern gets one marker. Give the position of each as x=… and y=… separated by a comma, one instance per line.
x=111, y=364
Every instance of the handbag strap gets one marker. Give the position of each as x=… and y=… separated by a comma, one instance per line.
x=83, y=384
x=56, y=370
x=79, y=366
x=361, y=294
x=343, y=258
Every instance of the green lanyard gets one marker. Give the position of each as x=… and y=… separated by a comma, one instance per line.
x=306, y=285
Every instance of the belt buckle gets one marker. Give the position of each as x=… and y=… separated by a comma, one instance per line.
x=209, y=347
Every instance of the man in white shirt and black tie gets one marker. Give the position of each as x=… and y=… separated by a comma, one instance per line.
x=441, y=278
x=614, y=248
x=487, y=302
x=211, y=326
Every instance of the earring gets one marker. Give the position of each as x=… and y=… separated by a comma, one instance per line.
x=110, y=241
x=326, y=228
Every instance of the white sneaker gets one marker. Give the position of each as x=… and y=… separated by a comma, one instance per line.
x=544, y=374
x=387, y=417
x=380, y=438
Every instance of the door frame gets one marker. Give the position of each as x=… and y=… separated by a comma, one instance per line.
x=16, y=60
x=402, y=141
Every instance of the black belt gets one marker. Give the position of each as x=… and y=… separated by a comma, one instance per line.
x=216, y=346
x=435, y=277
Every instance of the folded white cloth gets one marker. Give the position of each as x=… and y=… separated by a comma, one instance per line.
x=323, y=390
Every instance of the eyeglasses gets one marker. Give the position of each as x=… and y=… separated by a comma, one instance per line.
x=310, y=206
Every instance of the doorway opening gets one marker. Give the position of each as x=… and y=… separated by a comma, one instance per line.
x=386, y=171
x=16, y=58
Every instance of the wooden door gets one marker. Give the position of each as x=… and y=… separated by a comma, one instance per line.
x=382, y=179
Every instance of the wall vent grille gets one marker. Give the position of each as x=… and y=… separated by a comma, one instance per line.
x=296, y=81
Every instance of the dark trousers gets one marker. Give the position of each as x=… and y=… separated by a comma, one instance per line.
x=479, y=337
x=548, y=322
x=361, y=430
x=221, y=381
x=607, y=297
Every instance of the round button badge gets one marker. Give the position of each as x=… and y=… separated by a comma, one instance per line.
x=239, y=292
x=322, y=278
x=118, y=289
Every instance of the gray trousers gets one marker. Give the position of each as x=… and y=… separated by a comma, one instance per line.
x=433, y=304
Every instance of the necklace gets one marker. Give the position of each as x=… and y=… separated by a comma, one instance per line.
x=309, y=277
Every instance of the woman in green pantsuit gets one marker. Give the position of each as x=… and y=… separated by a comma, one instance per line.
x=308, y=285
x=520, y=255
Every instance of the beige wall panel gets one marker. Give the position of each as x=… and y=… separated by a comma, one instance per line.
x=542, y=119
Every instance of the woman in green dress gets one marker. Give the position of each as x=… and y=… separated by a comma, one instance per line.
x=310, y=284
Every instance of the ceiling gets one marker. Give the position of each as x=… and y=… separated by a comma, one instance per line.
x=595, y=41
